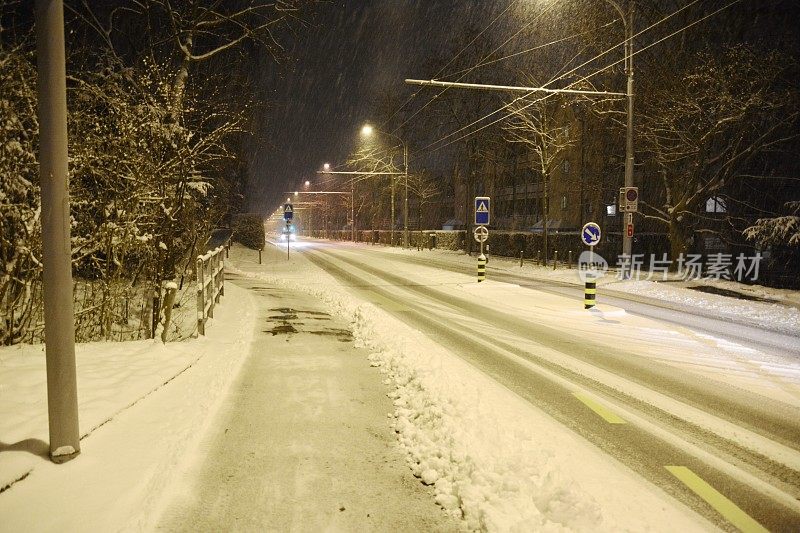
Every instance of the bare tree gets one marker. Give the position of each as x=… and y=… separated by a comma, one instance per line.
x=541, y=124
x=709, y=127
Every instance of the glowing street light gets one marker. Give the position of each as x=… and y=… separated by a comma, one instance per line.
x=326, y=166
x=367, y=130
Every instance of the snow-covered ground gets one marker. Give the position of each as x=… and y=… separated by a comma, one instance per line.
x=142, y=407
x=491, y=456
x=780, y=311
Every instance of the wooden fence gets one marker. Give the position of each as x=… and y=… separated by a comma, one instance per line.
x=210, y=284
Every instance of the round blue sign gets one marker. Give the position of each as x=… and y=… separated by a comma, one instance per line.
x=590, y=234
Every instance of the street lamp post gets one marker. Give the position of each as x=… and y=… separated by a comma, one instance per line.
x=368, y=130
x=627, y=22
x=352, y=188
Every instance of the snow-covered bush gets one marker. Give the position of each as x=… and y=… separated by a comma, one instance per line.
x=20, y=229
x=249, y=230
x=780, y=230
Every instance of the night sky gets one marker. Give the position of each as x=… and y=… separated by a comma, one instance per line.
x=354, y=51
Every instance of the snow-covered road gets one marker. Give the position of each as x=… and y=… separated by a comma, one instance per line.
x=690, y=412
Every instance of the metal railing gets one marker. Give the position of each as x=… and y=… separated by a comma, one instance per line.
x=210, y=285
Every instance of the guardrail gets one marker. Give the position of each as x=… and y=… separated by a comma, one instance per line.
x=210, y=285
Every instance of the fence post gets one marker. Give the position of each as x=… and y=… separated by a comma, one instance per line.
x=201, y=301
x=210, y=266
x=555, y=259
x=222, y=277
x=156, y=311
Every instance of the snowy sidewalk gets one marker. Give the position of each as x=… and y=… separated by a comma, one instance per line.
x=143, y=406
x=302, y=442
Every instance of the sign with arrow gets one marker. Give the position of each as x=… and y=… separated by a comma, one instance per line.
x=590, y=234
x=482, y=216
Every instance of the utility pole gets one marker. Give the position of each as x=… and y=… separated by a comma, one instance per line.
x=62, y=388
x=352, y=192
x=627, y=242
x=405, y=201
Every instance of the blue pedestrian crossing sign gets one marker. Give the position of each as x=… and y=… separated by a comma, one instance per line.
x=482, y=210
x=288, y=212
x=590, y=234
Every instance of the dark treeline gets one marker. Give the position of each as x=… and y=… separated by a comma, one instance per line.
x=161, y=101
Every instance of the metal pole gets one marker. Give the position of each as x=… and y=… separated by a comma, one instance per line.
x=405, y=203
x=62, y=388
x=353, y=208
x=391, y=228
x=627, y=242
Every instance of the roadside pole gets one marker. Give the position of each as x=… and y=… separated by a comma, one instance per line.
x=481, y=233
x=62, y=388
x=590, y=235
x=288, y=215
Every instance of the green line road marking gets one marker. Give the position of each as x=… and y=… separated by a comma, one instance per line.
x=720, y=503
x=608, y=415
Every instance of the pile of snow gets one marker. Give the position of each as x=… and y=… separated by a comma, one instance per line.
x=492, y=458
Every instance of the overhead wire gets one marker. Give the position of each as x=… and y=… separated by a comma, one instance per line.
x=436, y=96
x=484, y=30
x=534, y=48
x=428, y=149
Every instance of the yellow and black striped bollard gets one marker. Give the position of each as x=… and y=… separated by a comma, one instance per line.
x=589, y=292
x=481, y=268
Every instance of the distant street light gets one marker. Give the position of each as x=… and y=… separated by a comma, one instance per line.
x=367, y=130
x=326, y=166
x=307, y=183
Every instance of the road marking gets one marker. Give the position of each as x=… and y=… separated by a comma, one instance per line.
x=720, y=503
x=606, y=413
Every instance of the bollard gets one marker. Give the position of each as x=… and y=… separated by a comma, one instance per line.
x=569, y=261
x=589, y=292
x=481, y=268
x=487, y=253
x=259, y=257
x=538, y=257
x=555, y=259
x=520, y=257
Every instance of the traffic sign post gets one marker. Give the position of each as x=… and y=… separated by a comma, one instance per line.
x=481, y=234
x=590, y=235
x=482, y=210
x=288, y=237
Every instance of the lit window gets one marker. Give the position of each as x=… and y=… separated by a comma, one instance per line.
x=715, y=204
x=611, y=210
